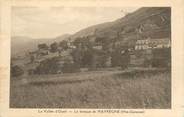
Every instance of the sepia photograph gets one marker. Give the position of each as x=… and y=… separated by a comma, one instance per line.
x=90, y=57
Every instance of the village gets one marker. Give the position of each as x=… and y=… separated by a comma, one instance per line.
x=76, y=70
x=125, y=64
x=83, y=57
x=143, y=44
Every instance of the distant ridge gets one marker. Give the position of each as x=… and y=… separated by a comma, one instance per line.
x=21, y=44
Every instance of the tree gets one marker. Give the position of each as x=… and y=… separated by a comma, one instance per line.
x=54, y=47
x=102, y=58
x=69, y=66
x=63, y=44
x=116, y=58
x=16, y=71
x=87, y=58
x=43, y=46
x=32, y=58
x=49, y=66
x=161, y=57
x=77, y=56
x=125, y=59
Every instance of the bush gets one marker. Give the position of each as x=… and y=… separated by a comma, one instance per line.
x=159, y=62
x=161, y=57
x=54, y=47
x=70, y=68
x=49, y=66
x=43, y=46
x=16, y=71
x=125, y=59
x=56, y=65
x=147, y=63
x=116, y=58
x=31, y=71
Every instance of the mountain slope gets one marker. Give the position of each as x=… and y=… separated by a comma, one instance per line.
x=151, y=22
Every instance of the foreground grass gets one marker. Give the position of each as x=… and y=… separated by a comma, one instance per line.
x=135, y=89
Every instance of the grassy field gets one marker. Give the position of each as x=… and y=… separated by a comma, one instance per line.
x=103, y=89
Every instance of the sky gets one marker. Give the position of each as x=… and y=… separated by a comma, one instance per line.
x=49, y=22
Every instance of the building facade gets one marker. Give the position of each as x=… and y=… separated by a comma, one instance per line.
x=144, y=44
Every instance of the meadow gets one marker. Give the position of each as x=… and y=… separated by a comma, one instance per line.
x=131, y=89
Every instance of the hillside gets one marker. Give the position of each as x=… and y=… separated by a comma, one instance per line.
x=151, y=22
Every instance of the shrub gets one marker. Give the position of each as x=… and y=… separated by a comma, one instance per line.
x=43, y=46
x=70, y=68
x=161, y=57
x=31, y=71
x=56, y=65
x=54, y=47
x=16, y=71
x=48, y=66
